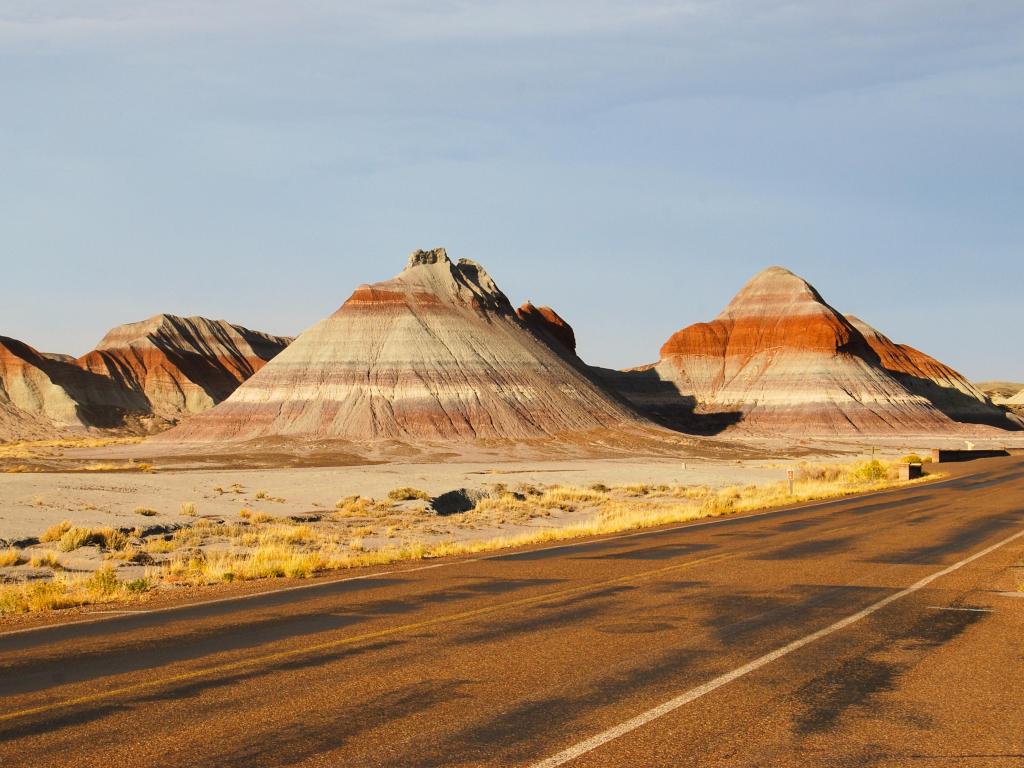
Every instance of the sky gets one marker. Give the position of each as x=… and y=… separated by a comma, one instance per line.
x=629, y=163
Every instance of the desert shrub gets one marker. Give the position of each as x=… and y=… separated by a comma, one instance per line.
x=10, y=557
x=354, y=506
x=822, y=473
x=54, y=532
x=408, y=494
x=869, y=471
x=145, y=511
x=188, y=508
x=110, y=538
x=600, y=488
x=74, y=538
x=103, y=582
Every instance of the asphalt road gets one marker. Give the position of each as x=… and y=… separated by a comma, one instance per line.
x=879, y=631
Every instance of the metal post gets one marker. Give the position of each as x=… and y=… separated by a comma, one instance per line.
x=790, y=474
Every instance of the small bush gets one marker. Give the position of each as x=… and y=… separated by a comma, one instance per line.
x=145, y=511
x=110, y=538
x=189, y=509
x=10, y=557
x=354, y=506
x=408, y=494
x=74, y=538
x=54, y=532
x=103, y=582
x=870, y=471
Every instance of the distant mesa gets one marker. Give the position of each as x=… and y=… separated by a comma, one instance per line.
x=780, y=359
x=436, y=353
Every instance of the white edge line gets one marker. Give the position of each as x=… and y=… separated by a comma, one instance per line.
x=568, y=545
x=958, y=608
x=640, y=720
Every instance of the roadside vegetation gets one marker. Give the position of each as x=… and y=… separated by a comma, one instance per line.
x=360, y=531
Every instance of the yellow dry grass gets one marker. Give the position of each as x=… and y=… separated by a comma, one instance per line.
x=262, y=546
x=67, y=591
x=10, y=557
x=27, y=449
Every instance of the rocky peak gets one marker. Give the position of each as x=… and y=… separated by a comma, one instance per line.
x=433, y=256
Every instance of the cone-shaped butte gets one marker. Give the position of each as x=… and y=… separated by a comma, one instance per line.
x=788, y=362
x=436, y=353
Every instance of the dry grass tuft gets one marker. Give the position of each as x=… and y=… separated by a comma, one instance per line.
x=55, y=532
x=10, y=557
x=188, y=509
x=145, y=511
x=65, y=591
x=45, y=559
x=408, y=494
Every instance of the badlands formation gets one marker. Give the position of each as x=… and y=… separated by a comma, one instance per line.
x=436, y=353
x=779, y=359
x=181, y=365
x=142, y=377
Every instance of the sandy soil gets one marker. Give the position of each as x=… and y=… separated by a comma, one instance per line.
x=30, y=502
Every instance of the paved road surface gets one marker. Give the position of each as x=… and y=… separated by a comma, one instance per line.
x=869, y=632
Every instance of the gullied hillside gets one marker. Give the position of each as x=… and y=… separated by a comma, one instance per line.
x=181, y=365
x=142, y=377
x=943, y=387
x=780, y=359
x=436, y=353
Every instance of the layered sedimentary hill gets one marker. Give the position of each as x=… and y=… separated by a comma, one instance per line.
x=175, y=366
x=943, y=387
x=436, y=353
x=780, y=359
x=999, y=391
x=32, y=388
x=142, y=377
x=1017, y=399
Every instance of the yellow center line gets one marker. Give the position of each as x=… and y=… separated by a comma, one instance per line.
x=129, y=690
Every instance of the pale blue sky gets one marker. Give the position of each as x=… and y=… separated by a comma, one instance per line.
x=629, y=163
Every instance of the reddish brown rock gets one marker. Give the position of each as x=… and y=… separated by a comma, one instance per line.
x=181, y=365
x=548, y=324
x=436, y=353
x=943, y=387
x=142, y=377
x=780, y=359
